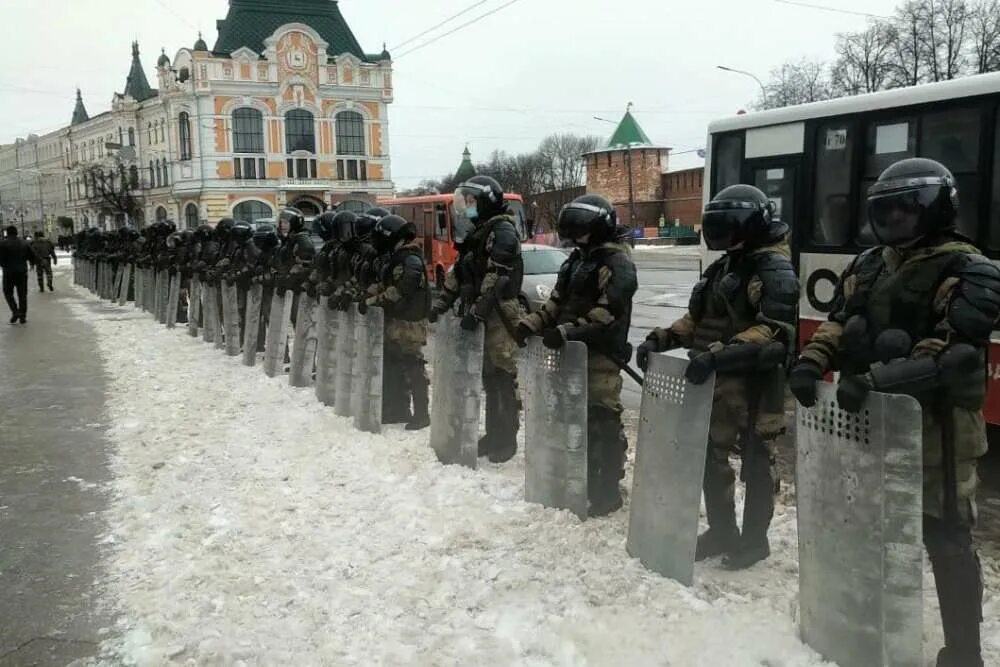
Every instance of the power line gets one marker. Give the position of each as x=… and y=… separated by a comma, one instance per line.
x=454, y=30
x=178, y=16
x=435, y=27
x=833, y=9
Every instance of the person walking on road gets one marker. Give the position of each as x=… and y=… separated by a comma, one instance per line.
x=15, y=255
x=45, y=257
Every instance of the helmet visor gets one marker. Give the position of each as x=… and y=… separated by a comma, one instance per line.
x=575, y=219
x=896, y=215
x=722, y=223
x=462, y=226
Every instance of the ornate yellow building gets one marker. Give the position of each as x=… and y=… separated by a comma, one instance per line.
x=285, y=109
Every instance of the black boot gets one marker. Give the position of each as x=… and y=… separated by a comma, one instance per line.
x=396, y=403
x=503, y=435
x=490, y=407
x=722, y=535
x=605, y=460
x=959, y=583
x=417, y=380
x=758, y=507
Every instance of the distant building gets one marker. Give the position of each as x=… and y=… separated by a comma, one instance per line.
x=285, y=109
x=629, y=172
x=683, y=196
x=466, y=169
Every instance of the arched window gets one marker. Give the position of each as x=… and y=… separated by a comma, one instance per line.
x=252, y=211
x=161, y=214
x=248, y=131
x=184, y=131
x=69, y=189
x=350, y=133
x=166, y=172
x=149, y=132
x=191, y=216
x=121, y=140
x=133, y=177
x=159, y=175
x=300, y=134
x=131, y=136
x=152, y=175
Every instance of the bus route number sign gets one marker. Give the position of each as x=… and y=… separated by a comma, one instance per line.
x=836, y=140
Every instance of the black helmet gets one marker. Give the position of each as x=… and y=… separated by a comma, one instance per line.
x=486, y=193
x=170, y=226
x=174, y=240
x=266, y=236
x=293, y=218
x=242, y=232
x=911, y=199
x=204, y=232
x=390, y=230
x=589, y=214
x=188, y=236
x=740, y=215
x=223, y=228
x=343, y=223
x=366, y=221
x=325, y=226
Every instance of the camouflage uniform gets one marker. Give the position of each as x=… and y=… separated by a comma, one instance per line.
x=743, y=297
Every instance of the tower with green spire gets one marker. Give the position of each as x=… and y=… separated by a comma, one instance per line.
x=629, y=172
x=136, y=85
x=79, y=112
x=466, y=170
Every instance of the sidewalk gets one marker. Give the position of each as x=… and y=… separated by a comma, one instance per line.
x=52, y=464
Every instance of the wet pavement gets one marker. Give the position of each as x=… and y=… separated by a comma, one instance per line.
x=53, y=459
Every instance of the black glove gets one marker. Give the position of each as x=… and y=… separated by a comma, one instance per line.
x=362, y=307
x=470, y=322
x=852, y=392
x=324, y=289
x=700, y=368
x=802, y=382
x=642, y=354
x=553, y=338
x=521, y=334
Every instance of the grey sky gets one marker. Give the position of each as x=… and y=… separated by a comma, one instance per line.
x=536, y=67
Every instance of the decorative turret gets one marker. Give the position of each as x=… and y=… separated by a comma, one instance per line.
x=136, y=85
x=163, y=60
x=466, y=170
x=200, y=45
x=80, y=112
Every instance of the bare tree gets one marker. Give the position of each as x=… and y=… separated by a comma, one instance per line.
x=945, y=33
x=562, y=156
x=908, y=61
x=984, y=34
x=796, y=83
x=864, y=60
x=114, y=189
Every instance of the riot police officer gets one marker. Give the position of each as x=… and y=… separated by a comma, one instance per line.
x=592, y=303
x=404, y=293
x=265, y=238
x=325, y=226
x=746, y=300
x=928, y=286
x=356, y=259
x=487, y=279
x=296, y=253
x=241, y=267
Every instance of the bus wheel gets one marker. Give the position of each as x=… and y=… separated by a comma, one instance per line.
x=439, y=277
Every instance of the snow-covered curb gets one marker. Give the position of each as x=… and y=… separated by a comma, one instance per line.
x=249, y=525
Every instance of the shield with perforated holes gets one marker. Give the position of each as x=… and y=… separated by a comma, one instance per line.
x=859, y=497
x=366, y=373
x=304, y=348
x=555, y=425
x=669, y=466
x=327, y=327
x=457, y=392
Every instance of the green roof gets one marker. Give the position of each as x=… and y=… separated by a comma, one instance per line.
x=250, y=22
x=628, y=133
x=80, y=112
x=136, y=85
x=466, y=170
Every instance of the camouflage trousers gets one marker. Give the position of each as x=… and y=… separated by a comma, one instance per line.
x=969, y=444
x=403, y=338
x=500, y=348
x=604, y=383
x=43, y=269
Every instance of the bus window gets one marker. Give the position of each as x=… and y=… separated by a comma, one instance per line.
x=517, y=210
x=441, y=222
x=952, y=138
x=728, y=160
x=832, y=217
x=888, y=142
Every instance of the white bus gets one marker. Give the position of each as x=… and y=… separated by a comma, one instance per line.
x=816, y=162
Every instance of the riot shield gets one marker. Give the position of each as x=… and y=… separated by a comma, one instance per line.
x=173, y=300
x=274, y=346
x=194, y=306
x=138, y=287
x=669, y=468
x=164, y=296
x=304, y=347
x=125, y=284
x=458, y=390
x=555, y=426
x=251, y=329
x=327, y=324
x=366, y=374
x=230, y=302
x=210, y=313
x=345, y=361
x=859, y=497
x=218, y=296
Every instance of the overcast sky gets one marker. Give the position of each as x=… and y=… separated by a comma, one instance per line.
x=534, y=68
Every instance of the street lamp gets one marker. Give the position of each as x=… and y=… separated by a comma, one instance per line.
x=763, y=90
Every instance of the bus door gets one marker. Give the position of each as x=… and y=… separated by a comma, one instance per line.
x=778, y=178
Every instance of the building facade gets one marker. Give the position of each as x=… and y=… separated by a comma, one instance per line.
x=285, y=109
x=682, y=192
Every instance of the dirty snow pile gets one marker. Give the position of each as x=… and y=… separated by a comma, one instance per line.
x=249, y=525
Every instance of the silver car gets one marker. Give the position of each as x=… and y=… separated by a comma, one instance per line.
x=541, y=268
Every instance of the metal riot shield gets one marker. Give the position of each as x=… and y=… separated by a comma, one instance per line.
x=230, y=301
x=366, y=375
x=116, y=288
x=555, y=426
x=173, y=300
x=138, y=287
x=156, y=292
x=345, y=361
x=125, y=284
x=327, y=325
x=458, y=390
x=251, y=328
x=194, y=306
x=209, y=312
x=274, y=345
x=218, y=296
x=859, y=497
x=304, y=347
x=669, y=468
x=161, y=315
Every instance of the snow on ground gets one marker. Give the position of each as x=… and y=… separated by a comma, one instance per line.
x=249, y=525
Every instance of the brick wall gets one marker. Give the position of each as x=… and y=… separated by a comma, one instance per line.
x=608, y=175
x=682, y=195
